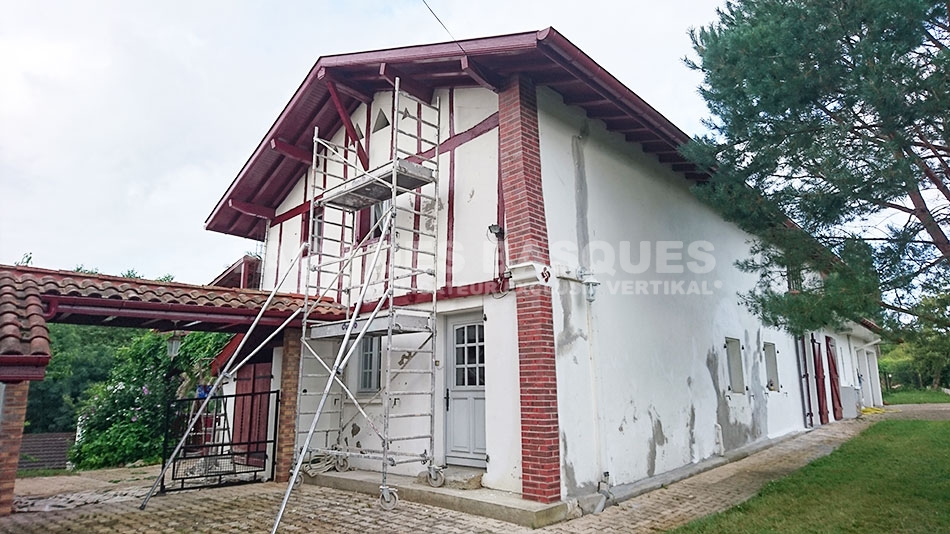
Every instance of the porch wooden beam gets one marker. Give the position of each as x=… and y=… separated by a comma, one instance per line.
x=480, y=75
x=251, y=209
x=293, y=152
x=348, y=125
x=640, y=136
x=657, y=147
x=347, y=88
x=586, y=100
x=670, y=157
x=413, y=87
x=606, y=115
x=684, y=167
x=621, y=122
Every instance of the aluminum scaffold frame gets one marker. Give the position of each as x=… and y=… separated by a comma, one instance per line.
x=404, y=196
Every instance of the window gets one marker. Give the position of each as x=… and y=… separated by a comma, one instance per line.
x=771, y=367
x=795, y=279
x=369, y=364
x=377, y=213
x=470, y=355
x=734, y=357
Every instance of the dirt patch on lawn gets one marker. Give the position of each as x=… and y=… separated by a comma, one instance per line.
x=99, y=479
x=926, y=412
x=44, y=494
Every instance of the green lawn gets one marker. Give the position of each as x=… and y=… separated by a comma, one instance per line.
x=894, y=477
x=916, y=396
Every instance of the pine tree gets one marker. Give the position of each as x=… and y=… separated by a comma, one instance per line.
x=829, y=144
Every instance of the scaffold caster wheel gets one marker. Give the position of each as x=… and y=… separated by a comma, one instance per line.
x=436, y=478
x=342, y=464
x=298, y=480
x=388, y=499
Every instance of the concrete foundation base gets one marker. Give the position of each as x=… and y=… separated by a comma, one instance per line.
x=484, y=502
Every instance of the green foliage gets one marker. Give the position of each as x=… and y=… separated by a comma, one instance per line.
x=899, y=368
x=122, y=419
x=894, y=477
x=82, y=356
x=832, y=115
x=86, y=270
x=25, y=260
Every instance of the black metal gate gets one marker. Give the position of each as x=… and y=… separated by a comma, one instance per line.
x=231, y=443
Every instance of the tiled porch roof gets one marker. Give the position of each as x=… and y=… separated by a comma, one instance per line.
x=31, y=297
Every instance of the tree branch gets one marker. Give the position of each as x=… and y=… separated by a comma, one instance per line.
x=922, y=212
x=927, y=317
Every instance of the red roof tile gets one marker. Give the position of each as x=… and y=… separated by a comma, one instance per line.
x=24, y=337
x=29, y=297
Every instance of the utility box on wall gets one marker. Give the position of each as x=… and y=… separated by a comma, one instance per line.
x=849, y=402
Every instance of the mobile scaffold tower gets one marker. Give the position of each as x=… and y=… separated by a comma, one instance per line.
x=386, y=279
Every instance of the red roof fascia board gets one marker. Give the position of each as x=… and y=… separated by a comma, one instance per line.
x=153, y=310
x=12, y=374
x=226, y=352
x=499, y=44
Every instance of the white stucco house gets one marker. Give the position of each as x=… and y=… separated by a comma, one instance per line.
x=589, y=329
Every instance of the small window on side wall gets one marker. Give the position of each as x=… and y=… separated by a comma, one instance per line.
x=771, y=367
x=734, y=359
x=369, y=364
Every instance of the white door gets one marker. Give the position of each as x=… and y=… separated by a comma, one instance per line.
x=465, y=392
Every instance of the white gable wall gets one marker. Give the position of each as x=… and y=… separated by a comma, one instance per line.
x=473, y=174
x=642, y=378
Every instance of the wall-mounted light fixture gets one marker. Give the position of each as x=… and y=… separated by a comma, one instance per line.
x=497, y=231
x=174, y=344
x=591, y=283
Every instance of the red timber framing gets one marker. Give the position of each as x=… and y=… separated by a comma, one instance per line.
x=819, y=380
x=520, y=157
x=348, y=125
x=831, y=353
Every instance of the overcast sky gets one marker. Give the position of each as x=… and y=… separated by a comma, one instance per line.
x=123, y=122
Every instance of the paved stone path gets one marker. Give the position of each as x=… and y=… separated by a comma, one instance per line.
x=251, y=508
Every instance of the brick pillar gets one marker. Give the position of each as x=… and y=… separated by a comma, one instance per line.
x=287, y=415
x=12, y=415
x=526, y=228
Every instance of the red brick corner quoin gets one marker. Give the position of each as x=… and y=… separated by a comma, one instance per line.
x=11, y=430
x=287, y=413
x=520, y=155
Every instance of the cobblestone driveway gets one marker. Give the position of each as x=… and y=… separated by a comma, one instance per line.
x=251, y=508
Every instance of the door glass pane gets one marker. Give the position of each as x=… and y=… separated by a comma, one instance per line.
x=460, y=376
x=460, y=335
x=481, y=354
x=472, y=355
x=481, y=376
x=459, y=356
x=481, y=333
x=472, y=378
x=471, y=334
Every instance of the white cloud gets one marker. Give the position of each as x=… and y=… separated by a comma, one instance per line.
x=122, y=123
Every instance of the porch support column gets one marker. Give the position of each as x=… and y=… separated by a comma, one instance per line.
x=12, y=415
x=287, y=414
x=526, y=228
